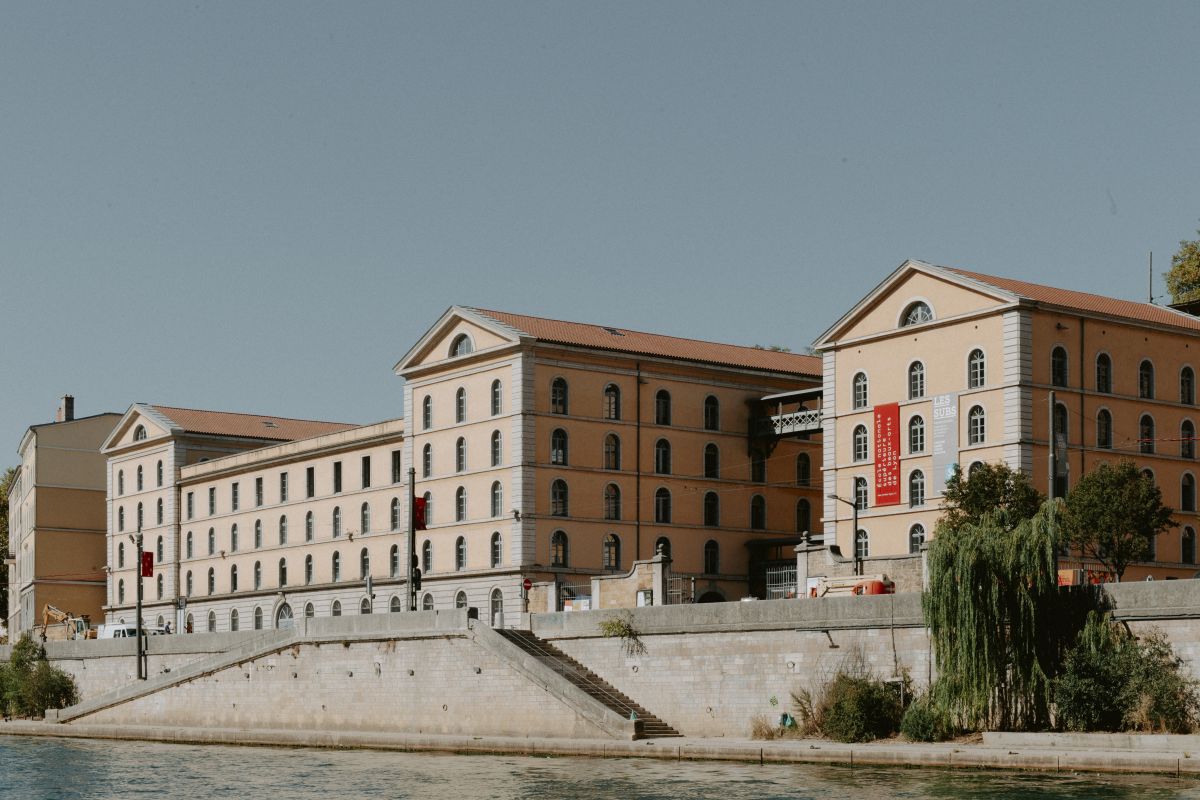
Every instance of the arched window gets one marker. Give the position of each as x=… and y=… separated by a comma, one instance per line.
x=158, y=514
x=233, y=620
x=364, y=564
x=1104, y=429
x=916, y=380
x=558, y=447
x=364, y=607
x=308, y=527
x=612, y=401
x=712, y=557
x=976, y=425
x=1187, y=386
x=916, y=434
x=337, y=521
x=558, y=549
x=662, y=407
x=364, y=518
x=1187, y=492
x=308, y=569
x=140, y=516
x=976, y=369
x=121, y=518
x=158, y=582
x=497, y=552
x=283, y=572
x=1188, y=546
x=460, y=600
x=803, y=470
x=758, y=512
x=139, y=478
x=860, y=443
x=916, y=538
x=915, y=314
x=139, y=433
x=427, y=413
x=1103, y=373
x=395, y=607
x=916, y=488
x=803, y=516
x=159, y=472
x=612, y=501
x=427, y=602
x=460, y=553
x=497, y=449
x=233, y=538
x=396, y=522
x=258, y=534
x=188, y=583
x=1058, y=366
x=860, y=390
x=612, y=552
x=120, y=555
x=335, y=567
x=1146, y=434
x=612, y=451
x=558, y=498
x=712, y=413
x=212, y=542
x=121, y=590
x=335, y=610
x=427, y=461
x=189, y=544
x=257, y=574
x=862, y=545
x=712, y=461
x=120, y=482
x=460, y=504
x=662, y=505
x=860, y=493
x=497, y=398
x=158, y=550
x=1187, y=439
x=497, y=499
x=1062, y=426
x=461, y=345
x=212, y=622
x=712, y=509
x=394, y=561
x=662, y=457
x=258, y=618
x=1146, y=380
x=428, y=497
x=212, y=580
x=427, y=556
x=497, y=599
x=460, y=454
x=460, y=405
x=662, y=546
x=558, y=396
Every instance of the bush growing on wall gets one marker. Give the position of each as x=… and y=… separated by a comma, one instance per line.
x=859, y=709
x=29, y=684
x=925, y=721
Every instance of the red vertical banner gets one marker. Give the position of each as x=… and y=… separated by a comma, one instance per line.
x=887, y=454
x=147, y=564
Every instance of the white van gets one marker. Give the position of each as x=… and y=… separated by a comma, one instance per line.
x=117, y=630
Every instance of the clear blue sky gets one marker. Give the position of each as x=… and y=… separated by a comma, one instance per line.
x=260, y=206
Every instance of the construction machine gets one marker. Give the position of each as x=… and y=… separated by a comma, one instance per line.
x=59, y=625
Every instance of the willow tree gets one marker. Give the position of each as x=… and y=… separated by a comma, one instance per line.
x=990, y=608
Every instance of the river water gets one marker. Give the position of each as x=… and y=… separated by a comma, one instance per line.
x=77, y=768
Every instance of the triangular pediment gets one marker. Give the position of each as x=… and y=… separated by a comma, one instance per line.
x=947, y=294
x=458, y=324
x=139, y=416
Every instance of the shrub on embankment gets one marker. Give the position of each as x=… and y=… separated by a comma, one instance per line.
x=29, y=684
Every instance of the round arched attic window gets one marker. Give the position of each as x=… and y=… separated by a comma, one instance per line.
x=916, y=313
x=462, y=345
x=139, y=433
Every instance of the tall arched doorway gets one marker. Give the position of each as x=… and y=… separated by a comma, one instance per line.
x=283, y=617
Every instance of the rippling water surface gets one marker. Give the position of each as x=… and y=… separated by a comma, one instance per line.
x=78, y=768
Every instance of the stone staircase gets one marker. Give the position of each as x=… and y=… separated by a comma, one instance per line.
x=588, y=681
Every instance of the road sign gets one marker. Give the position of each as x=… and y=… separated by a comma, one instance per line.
x=528, y=584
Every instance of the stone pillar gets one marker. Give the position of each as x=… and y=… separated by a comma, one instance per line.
x=661, y=566
x=804, y=554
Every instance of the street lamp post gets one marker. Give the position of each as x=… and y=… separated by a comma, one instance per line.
x=141, y=642
x=854, y=531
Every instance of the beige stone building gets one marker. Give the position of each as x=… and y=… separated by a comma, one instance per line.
x=146, y=454
x=56, y=519
x=558, y=451
x=938, y=366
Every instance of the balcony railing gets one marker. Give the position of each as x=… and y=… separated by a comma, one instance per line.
x=803, y=421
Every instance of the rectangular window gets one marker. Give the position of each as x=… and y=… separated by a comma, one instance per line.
x=233, y=497
x=191, y=504
x=397, y=467
x=258, y=492
x=212, y=500
x=283, y=487
x=311, y=476
x=337, y=477
x=366, y=472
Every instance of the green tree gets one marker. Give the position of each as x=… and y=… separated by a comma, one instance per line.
x=1183, y=279
x=1113, y=514
x=989, y=489
x=6, y=483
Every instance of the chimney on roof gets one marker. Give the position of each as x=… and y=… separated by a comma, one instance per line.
x=66, y=409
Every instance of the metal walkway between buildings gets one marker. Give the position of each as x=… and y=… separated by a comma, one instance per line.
x=588, y=681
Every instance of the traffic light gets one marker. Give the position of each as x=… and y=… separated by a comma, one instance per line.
x=416, y=580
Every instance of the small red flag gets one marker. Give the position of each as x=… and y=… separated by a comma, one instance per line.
x=147, y=564
x=419, y=513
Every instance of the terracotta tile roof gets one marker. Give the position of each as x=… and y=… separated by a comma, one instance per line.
x=1085, y=301
x=623, y=340
x=253, y=426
